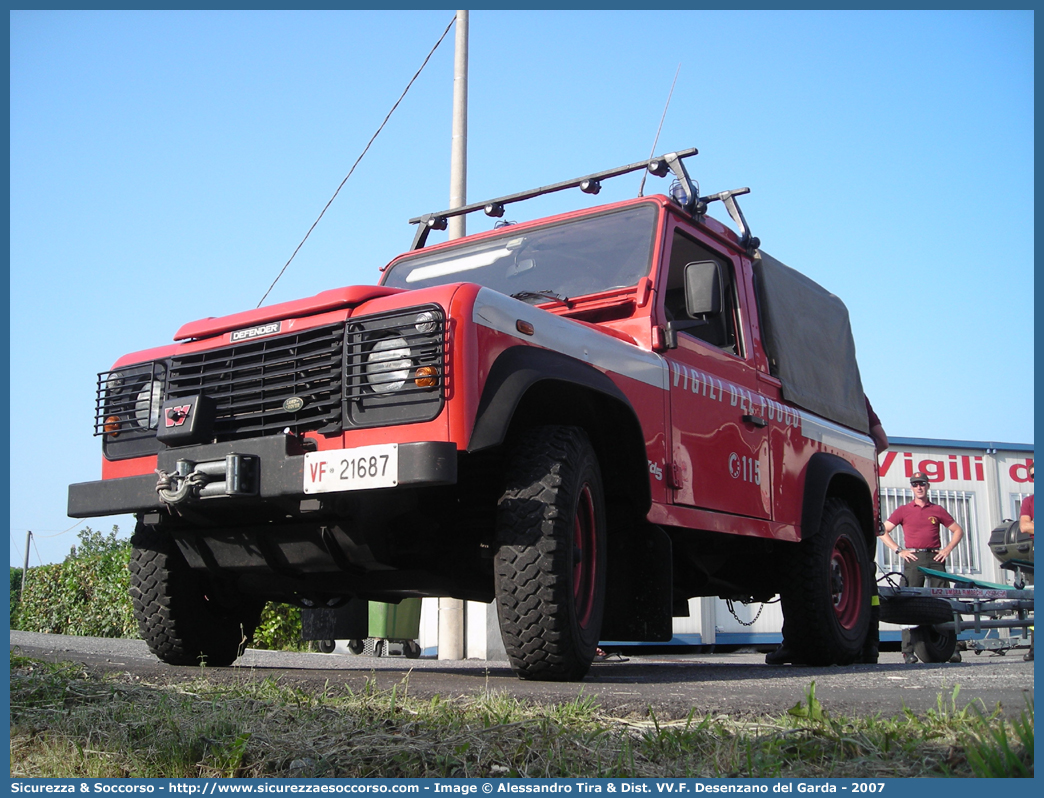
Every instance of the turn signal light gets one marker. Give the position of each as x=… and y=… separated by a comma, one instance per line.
x=112, y=425
x=659, y=339
x=427, y=377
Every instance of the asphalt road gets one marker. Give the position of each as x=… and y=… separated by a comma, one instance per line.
x=672, y=685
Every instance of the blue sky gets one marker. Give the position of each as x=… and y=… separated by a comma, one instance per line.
x=164, y=166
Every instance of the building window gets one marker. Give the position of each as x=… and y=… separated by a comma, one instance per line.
x=1016, y=504
x=960, y=504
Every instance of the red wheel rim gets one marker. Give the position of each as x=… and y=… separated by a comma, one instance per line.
x=846, y=583
x=585, y=556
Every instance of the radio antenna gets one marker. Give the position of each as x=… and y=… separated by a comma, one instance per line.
x=641, y=188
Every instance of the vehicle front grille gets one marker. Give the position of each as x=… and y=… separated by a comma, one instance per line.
x=267, y=385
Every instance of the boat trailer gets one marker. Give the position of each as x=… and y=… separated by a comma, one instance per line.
x=938, y=614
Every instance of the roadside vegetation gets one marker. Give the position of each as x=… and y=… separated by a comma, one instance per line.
x=88, y=594
x=69, y=723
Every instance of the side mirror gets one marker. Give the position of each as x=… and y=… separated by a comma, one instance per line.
x=703, y=291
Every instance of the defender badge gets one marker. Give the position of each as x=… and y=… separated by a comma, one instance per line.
x=260, y=330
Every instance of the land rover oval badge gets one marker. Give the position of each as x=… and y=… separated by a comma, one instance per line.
x=293, y=404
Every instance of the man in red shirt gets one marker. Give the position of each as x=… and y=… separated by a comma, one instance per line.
x=920, y=520
x=1026, y=527
x=1026, y=513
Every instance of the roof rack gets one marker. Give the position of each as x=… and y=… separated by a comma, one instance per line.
x=728, y=199
x=591, y=184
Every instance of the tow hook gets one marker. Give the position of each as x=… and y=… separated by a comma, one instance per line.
x=235, y=475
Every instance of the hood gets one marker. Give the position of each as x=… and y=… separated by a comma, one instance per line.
x=334, y=299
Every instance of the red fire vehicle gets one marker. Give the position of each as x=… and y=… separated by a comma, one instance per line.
x=588, y=419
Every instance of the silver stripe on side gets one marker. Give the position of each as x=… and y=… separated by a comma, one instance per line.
x=837, y=437
x=501, y=313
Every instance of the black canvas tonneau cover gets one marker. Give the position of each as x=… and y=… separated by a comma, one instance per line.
x=808, y=338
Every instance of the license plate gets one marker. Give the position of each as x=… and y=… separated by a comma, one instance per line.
x=361, y=468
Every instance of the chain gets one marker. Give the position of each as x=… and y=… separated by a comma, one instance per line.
x=732, y=609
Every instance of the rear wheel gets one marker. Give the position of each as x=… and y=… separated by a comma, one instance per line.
x=551, y=558
x=827, y=606
x=932, y=645
x=327, y=646
x=357, y=646
x=183, y=616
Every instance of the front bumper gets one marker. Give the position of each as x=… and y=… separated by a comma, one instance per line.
x=280, y=474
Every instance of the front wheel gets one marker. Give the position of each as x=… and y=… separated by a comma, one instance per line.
x=827, y=605
x=551, y=555
x=184, y=617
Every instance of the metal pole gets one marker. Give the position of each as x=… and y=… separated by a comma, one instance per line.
x=459, y=141
x=25, y=568
x=451, y=611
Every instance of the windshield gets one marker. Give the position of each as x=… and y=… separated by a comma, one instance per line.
x=561, y=261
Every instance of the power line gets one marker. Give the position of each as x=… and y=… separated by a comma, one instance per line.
x=57, y=534
x=32, y=538
x=30, y=545
x=367, y=147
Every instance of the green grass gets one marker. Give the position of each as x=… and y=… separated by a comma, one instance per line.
x=68, y=723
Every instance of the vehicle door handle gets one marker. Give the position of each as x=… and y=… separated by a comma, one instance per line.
x=757, y=421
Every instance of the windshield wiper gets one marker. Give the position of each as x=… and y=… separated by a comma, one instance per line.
x=525, y=296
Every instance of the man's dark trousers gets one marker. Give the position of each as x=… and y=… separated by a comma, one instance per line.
x=916, y=578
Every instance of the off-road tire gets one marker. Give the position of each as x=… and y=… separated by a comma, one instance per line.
x=179, y=614
x=827, y=603
x=933, y=645
x=915, y=610
x=550, y=561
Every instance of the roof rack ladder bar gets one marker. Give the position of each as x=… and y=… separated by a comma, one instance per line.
x=588, y=184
